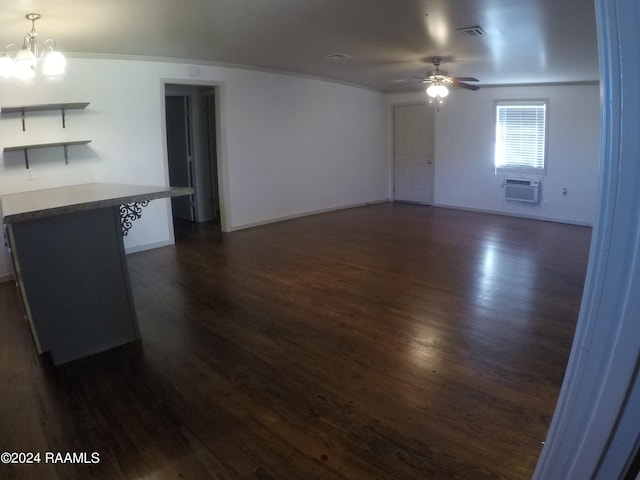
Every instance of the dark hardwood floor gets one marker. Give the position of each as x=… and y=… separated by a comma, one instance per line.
x=384, y=342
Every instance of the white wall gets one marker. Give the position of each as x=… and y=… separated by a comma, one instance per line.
x=290, y=145
x=305, y=145
x=464, y=131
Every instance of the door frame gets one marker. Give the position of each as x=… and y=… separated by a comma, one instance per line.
x=221, y=149
x=392, y=153
x=595, y=432
x=187, y=111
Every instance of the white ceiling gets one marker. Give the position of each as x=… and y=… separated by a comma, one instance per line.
x=389, y=41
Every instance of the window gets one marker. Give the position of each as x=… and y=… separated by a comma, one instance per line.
x=521, y=135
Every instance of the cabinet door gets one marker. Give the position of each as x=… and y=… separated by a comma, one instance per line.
x=76, y=282
x=20, y=284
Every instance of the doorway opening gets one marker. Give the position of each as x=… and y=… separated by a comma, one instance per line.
x=191, y=126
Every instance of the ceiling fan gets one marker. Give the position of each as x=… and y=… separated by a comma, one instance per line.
x=438, y=83
x=441, y=77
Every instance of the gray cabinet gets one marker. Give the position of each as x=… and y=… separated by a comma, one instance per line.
x=68, y=256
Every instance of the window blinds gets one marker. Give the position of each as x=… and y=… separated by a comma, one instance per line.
x=520, y=135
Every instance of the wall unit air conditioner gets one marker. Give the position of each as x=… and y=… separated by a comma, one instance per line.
x=527, y=191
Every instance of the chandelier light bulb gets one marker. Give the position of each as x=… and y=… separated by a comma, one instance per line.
x=6, y=67
x=54, y=64
x=26, y=57
x=24, y=65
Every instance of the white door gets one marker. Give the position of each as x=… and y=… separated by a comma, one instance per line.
x=413, y=169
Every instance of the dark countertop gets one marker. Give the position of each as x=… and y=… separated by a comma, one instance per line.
x=20, y=207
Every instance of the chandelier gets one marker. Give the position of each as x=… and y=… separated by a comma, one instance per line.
x=22, y=63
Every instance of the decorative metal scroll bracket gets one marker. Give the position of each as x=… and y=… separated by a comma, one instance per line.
x=130, y=212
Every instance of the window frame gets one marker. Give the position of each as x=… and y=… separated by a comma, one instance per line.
x=522, y=168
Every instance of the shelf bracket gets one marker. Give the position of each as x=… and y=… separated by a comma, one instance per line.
x=24, y=128
x=26, y=158
x=129, y=212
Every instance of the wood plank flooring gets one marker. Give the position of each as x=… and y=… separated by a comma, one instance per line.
x=384, y=342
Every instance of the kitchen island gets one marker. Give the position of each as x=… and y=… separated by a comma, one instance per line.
x=70, y=267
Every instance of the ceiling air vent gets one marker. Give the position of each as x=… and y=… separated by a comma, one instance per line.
x=338, y=57
x=474, y=31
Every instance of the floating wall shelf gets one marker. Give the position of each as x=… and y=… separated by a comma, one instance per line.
x=26, y=149
x=63, y=107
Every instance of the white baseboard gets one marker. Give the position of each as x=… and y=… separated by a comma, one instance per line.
x=306, y=214
x=147, y=246
x=517, y=215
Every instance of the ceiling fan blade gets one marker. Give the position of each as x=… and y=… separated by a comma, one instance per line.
x=465, y=85
x=407, y=83
x=465, y=79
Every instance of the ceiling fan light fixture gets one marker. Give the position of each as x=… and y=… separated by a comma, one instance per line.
x=436, y=102
x=439, y=82
x=437, y=90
